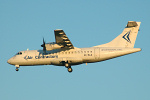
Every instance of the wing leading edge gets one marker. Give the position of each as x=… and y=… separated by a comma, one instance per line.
x=62, y=39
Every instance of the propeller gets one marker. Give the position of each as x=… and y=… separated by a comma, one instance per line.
x=43, y=45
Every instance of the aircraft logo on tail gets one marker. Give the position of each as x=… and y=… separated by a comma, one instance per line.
x=126, y=36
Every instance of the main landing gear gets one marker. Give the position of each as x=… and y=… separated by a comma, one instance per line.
x=17, y=67
x=69, y=67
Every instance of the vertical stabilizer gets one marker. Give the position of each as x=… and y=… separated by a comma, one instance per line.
x=127, y=38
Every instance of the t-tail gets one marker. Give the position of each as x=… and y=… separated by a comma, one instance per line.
x=127, y=38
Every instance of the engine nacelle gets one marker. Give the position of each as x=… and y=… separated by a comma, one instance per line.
x=52, y=46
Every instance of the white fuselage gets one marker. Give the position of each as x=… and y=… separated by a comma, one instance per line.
x=63, y=53
x=73, y=56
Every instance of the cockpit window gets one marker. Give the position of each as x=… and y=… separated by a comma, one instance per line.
x=19, y=53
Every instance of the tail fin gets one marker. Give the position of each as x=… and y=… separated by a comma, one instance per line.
x=126, y=38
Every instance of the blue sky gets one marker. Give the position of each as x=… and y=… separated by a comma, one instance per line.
x=24, y=23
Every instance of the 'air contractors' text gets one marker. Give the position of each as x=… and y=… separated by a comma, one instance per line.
x=41, y=57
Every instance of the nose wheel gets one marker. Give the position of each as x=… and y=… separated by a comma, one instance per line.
x=17, y=67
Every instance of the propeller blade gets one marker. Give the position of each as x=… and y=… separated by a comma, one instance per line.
x=43, y=45
x=43, y=41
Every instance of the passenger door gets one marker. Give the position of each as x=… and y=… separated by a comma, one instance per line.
x=97, y=53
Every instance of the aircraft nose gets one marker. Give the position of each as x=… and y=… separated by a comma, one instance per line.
x=9, y=61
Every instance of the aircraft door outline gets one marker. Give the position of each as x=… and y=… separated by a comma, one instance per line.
x=97, y=53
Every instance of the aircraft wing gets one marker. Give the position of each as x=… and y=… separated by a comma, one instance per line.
x=62, y=39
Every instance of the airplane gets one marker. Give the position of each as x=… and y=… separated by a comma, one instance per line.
x=63, y=53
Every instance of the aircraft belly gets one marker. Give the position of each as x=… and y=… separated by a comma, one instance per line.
x=71, y=60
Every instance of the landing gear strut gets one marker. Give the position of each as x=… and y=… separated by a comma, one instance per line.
x=17, y=67
x=69, y=67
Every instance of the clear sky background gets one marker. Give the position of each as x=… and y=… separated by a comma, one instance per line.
x=87, y=23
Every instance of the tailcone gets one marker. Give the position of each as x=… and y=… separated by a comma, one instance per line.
x=137, y=49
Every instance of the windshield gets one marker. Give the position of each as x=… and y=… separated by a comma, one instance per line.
x=19, y=53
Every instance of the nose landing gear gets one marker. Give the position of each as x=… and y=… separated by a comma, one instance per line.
x=17, y=67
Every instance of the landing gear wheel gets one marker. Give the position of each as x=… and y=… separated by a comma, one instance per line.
x=70, y=70
x=17, y=69
x=66, y=65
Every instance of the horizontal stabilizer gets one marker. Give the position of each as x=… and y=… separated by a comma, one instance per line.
x=132, y=24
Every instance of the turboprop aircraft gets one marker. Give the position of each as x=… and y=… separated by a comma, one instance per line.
x=63, y=53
